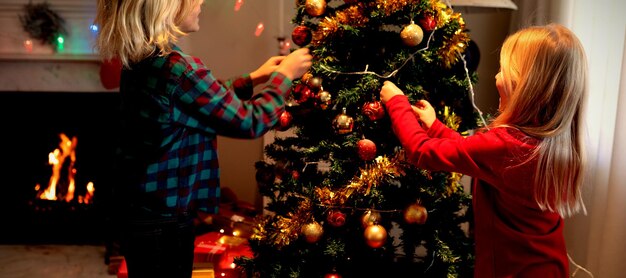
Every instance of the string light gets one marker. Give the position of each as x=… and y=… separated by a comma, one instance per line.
x=259, y=29
x=94, y=28
x=238, y=5
x=28, y=45
x=60, y=43
x=283, y=46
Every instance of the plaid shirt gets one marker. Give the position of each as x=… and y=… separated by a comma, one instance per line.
x=173, y=109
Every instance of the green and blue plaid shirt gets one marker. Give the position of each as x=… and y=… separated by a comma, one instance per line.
x=173, y=108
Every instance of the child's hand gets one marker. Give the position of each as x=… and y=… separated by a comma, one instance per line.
x=389, y=91
x=296, y=64
x=262, y=74
x=425, y=112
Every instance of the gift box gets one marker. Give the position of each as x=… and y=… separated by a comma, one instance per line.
x=214, y=255
x=221, y=250
x=207, y=247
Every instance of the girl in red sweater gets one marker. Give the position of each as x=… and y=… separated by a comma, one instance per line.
x=527, y=165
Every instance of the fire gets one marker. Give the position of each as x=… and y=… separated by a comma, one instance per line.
x=57, y=159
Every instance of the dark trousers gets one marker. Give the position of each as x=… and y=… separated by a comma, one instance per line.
x=158, y=246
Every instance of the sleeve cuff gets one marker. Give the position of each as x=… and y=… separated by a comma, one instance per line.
x=280, y=82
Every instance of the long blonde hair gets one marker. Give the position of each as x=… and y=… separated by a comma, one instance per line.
x=544, y=71
x=132, y=30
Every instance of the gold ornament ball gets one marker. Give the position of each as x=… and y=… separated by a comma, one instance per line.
x=375, y=236
x=315, y=7
x=315, y=83
x=412, y=35
x=324, y=99
x=370, y=218
x=415, y=214
x=312, y=232
x=343, y=124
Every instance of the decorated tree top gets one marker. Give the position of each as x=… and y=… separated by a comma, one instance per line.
x=342, y=198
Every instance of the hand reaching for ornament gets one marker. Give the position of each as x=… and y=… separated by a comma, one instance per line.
x=425, y=113
x=389, y=91
x=262, y=74
x=296, y=63
x=422, y=109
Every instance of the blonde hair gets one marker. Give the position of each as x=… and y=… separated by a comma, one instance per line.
x=132, y=30
x=544, y=72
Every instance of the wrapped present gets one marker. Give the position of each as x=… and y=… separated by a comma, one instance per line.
x=207, y=247
x=221, y=250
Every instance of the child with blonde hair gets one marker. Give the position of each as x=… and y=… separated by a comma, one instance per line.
x=527, y=166
x=173, y=109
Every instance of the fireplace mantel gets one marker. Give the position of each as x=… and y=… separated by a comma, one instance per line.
x=75, y=68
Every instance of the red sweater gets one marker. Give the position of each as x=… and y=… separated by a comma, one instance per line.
x=514, y=238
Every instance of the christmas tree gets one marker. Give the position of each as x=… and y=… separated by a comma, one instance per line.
x=342, y=200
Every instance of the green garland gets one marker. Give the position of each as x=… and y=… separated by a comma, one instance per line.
x=42, y=23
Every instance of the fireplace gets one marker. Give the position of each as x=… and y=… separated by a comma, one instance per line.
x=32, y=125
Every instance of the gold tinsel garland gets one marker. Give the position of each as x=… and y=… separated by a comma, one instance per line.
x=370, y=176
x=280, y=231
x=283, y=230
x=391, y=6
x=351, y=16
x=451, y=119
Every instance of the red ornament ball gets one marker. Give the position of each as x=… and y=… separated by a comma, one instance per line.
x=374, y=110
x=302, y=93
x=301, y=35
x=375, y=236
x=428, y=23
x=336, y=218
x=284, y=121
x=366, y=149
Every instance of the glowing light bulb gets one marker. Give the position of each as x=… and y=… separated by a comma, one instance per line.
x=93, y=28
x=259, y=29
x=238, y=5
x=28, y=45
x=60, y=43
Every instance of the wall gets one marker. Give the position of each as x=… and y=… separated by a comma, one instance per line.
x=488, y=28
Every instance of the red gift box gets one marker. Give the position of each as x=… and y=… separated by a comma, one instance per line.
x=217, y=249
x=208, y=247
x=221, y=250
